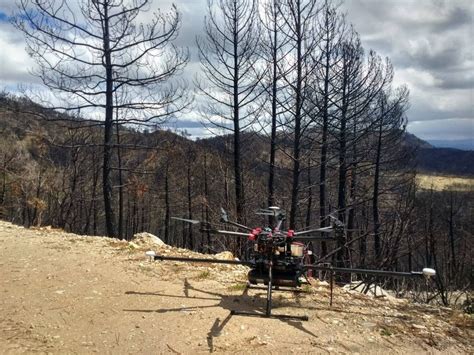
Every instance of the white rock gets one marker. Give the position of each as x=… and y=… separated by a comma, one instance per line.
x=146, y=237
x=225, y=255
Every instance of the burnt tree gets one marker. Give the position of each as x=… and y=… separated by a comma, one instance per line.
x=87, y=51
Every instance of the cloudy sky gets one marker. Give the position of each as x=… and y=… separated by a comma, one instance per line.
x=428, y=41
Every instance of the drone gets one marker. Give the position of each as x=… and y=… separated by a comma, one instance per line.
x=279, y=258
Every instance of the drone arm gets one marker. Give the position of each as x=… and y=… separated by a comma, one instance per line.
x=309, y=238
x=235, y=224
x=201, y=260
x=309, y=231
x=206, y=226
x=224, y=232
x=426, y=272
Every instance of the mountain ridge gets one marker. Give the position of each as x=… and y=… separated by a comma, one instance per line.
x=429, y=158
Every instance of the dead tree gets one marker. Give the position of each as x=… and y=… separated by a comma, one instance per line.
x=273, y=43
x=298, y=27
x=331, y=27
x=388, y=131
x=228, y=55
x=86, y=52
x=356, y=84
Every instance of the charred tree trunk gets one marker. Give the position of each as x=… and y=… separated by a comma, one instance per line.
x=167, y=204
x=274, y=80
x=451, y=235
x=239, y=188
x=375, y=195
x=297, y=119
x=342, y=181
x=206, y=203
x=190, y=207
x=108, y=130
x=309, y=206
x=323, y=162
x=120, y=177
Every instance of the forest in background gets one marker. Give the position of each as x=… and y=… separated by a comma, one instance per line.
x=50, y=175
x=312, y=123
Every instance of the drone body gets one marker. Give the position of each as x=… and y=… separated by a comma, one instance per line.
x=285, y=258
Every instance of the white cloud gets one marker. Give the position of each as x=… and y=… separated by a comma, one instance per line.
x=14, y=61
x=430, y=44
x=451, y=129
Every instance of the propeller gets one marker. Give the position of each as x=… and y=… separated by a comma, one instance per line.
x=265, y=213
x=193, y=221
x=336, y=221
x=270, y=211
x=320, y=230
x=225, y=219
x=224, y=216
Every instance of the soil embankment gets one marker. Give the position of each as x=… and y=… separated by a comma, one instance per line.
x=62, y=293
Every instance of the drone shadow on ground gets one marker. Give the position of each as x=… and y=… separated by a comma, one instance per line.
x=249, y=303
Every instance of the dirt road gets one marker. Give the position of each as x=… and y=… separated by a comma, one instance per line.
x=61, y=293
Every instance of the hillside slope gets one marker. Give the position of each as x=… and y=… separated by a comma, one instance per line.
x=18, y=124
x=62, y=293
x=446, y=161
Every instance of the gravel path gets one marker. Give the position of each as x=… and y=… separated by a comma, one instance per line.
x=62, y=293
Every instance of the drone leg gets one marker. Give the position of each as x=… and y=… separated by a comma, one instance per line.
x=268, y=312
x=269, y=292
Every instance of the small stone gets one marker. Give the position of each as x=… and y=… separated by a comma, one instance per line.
x=133, y=245
x=368, y=324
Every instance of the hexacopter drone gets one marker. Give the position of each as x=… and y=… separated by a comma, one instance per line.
x=278, y=258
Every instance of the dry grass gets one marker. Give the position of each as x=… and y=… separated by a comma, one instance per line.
x=203, y=275
x=237, y=287
x=440, y=183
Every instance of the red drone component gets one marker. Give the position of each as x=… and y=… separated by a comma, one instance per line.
x=254, y=233
x=290, y=233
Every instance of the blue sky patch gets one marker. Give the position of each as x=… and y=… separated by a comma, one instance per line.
x=3, y=17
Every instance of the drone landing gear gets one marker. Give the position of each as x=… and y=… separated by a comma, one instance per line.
x=268, y=310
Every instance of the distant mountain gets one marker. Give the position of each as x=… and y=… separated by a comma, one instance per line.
x=255, y=147
x=433, y=157
x=464, y=144
x=447, y=161
x=411, y=139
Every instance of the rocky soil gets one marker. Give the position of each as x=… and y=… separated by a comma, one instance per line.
x=63, y=293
